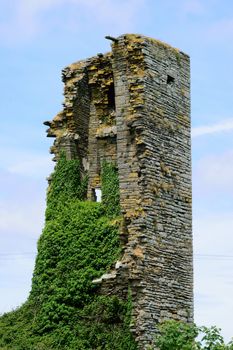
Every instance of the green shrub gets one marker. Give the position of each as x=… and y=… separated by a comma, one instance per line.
x=78, y=244
x=174, y=335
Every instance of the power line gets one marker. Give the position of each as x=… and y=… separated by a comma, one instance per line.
x=15, y=256
x=213, y=256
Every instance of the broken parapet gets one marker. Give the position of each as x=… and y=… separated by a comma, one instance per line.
x=132, y=107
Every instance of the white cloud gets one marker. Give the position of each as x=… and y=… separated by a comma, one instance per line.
x=226, y=125
x=23, y=190
x=27, y=21
x=121, y=13
x=22, y=206
x=31, y=165
x=26, y=218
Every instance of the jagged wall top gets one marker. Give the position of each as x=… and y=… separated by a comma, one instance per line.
x=132, y=107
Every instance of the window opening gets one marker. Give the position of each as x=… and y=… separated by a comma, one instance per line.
x=170, y=80
x=97, y=194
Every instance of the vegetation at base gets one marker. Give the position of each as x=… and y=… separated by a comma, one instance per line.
x=79, y=243
x=176, y=335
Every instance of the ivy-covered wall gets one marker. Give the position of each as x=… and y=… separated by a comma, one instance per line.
x=79, y=243
x=129, y=107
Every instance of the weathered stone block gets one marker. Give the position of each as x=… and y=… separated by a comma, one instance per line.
x=132, y=107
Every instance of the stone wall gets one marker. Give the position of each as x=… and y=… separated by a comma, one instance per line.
x=132, y=107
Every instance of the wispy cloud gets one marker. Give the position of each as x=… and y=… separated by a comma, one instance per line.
x=23, y=189
x=24, y=218
x=26, y=21
x=31, y=166
x=224, y=126
x=28, y=163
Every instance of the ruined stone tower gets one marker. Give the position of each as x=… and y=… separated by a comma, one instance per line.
x=132, y=107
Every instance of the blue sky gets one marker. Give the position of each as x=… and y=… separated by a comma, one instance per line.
x=40, y=37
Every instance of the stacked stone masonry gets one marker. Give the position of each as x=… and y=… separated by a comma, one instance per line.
x=132, y=107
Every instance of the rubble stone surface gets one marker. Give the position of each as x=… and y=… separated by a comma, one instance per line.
x=132, y=107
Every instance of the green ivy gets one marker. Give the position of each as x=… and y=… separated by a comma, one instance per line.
x=110, y=189
x=66, y=184
x=78, y=244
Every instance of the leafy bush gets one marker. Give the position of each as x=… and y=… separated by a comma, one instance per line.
x=176, y=336
x=78, y=244
x=182, y=336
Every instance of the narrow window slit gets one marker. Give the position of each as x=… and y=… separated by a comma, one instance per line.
x=111, y=97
